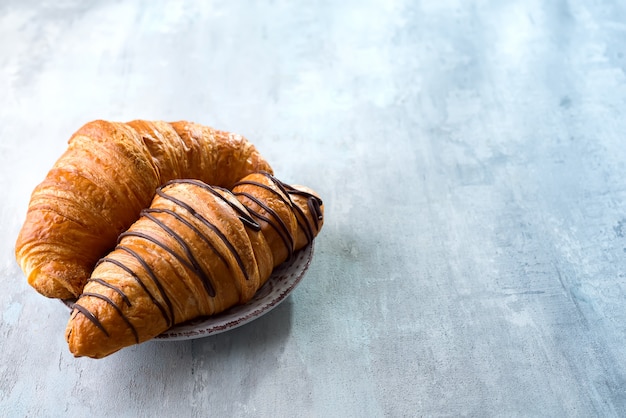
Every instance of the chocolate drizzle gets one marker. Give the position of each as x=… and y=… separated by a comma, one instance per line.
x=280, y=227
x=191, y=226
x=139, y=281
x=190, y=262
x=211, y=226
x=246, y=215
x=170, y=318
x=314, y=204
x=117, y=309
x=115, y=289
x=90, y=317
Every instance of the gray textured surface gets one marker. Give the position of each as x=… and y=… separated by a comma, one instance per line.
x=472, y=161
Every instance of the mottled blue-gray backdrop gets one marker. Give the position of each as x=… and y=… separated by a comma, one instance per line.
x=472, y=159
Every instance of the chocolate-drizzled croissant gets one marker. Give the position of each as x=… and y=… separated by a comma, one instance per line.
x=98, y=187
x=196, y=251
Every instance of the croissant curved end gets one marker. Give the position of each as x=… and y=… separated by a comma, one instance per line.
x=47, y=281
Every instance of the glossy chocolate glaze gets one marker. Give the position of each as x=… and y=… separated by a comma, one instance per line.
x=117, y=309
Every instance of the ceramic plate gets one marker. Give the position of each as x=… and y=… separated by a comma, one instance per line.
x=281, y=283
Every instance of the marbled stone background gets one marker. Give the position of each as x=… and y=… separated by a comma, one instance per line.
x=472, y=159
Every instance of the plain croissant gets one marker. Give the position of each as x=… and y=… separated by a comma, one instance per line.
x=98, y=187
x=196, y=251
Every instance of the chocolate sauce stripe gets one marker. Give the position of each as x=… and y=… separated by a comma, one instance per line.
x=155, y=241
x=312, y=199
x=245, y=217
x=154, y=279
x=280, y=195
x=293, y=190
x=117, y=309
x=212, y=227
x=191, y=262
x=110, y=286
x=281, y=228
x=313, y=202
x=191, y=226
x=304, y=226
x=90, y=317
x=288, y=190
x=308, y=231
x=316, y=210
x=282, y=186
x=141, y=284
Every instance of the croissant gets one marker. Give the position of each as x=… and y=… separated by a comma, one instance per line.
x=196, y=251
x=98, y=187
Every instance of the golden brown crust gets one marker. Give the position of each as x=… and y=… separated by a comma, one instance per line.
x=196, y=251
x=97, y=188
